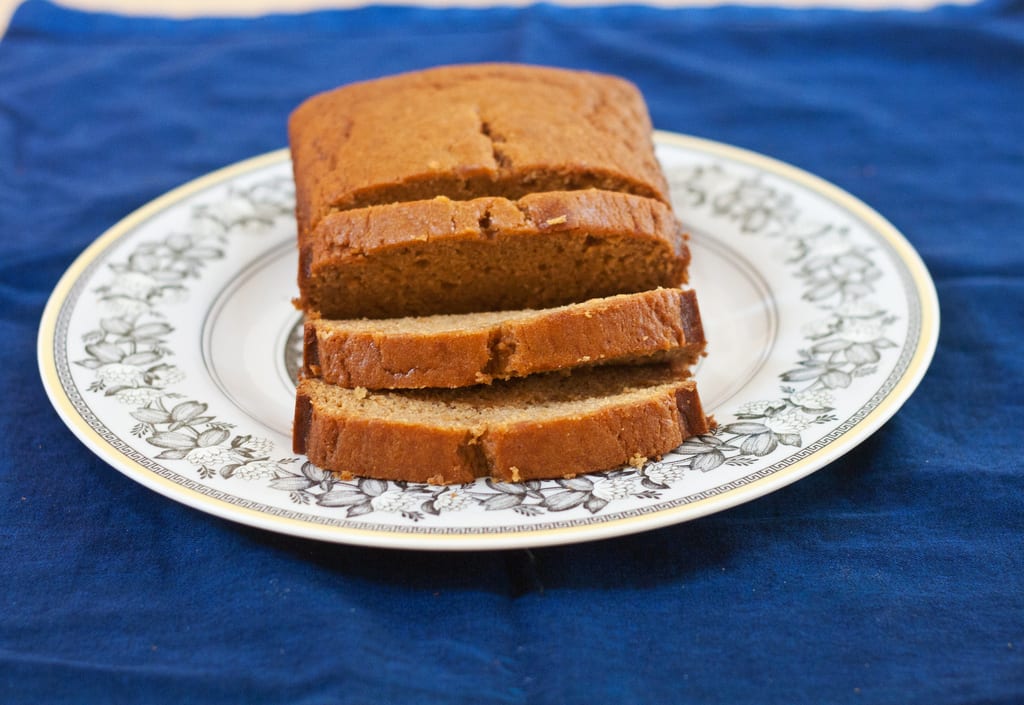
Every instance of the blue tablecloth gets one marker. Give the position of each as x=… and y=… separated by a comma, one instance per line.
x=896, y=575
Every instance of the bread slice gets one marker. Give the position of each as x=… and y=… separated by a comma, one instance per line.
x=470, y=131
x=543, y=426
x=473, y=348
x=488, y=254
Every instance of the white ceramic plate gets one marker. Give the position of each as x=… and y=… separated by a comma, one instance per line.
x=169, y=348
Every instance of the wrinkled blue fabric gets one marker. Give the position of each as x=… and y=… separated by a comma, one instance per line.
x=895, y=575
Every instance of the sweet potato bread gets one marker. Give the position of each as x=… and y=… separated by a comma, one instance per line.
x=470, y=131
x=474, y=348
x=486, y=254
x=495, y=224
x=542, y=426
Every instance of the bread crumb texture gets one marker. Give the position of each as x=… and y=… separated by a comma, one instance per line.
x=541, y=426
x=488, y=254
x=477, y=348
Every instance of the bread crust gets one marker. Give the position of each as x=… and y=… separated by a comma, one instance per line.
x=661, y=324
x=468, y=131
x=486, y=254
x=610, y=435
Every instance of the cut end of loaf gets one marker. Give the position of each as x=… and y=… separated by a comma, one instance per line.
x=543, y=426
x=441, y=256
x=661, y=325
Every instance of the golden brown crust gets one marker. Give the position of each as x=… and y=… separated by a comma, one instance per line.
x=487, y=254
x=469, y=131
x=301, y=422
x=460, y=351
x=423, y=445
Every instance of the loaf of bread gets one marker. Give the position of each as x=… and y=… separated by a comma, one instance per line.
x=486, y=254
x=489, y=267
x=543, y=426
x=470, y=131
x=464, y=349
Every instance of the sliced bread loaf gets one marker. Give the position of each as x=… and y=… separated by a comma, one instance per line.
x=470, y=131
x=542, y=426
x=488, y=254
x=474, y=348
